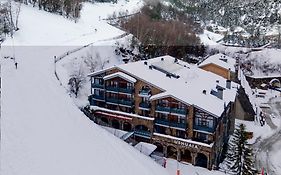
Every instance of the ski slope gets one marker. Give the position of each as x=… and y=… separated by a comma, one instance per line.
x=43, y=132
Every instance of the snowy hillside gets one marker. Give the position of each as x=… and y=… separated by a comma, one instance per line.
x=43, y=132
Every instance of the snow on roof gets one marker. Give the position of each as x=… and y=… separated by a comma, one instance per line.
x=121, y=75
x=188, y=87
x=220, y=60
x=121, y=113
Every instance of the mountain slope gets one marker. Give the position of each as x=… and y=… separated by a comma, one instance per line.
x=43, y=132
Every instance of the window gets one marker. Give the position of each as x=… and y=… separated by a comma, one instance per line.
x=129, y=85
x=203, y=119
x=145, y=99
x=181, y=106
x=180, y=134
x=202, y=136
x=162, y=116
x=98, y=92
x=163, y=103
x=145, y=113
x=181, y=120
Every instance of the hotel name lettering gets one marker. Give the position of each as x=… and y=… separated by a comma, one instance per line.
x=178, y=142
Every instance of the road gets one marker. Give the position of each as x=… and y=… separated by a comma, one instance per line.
x=264, y=148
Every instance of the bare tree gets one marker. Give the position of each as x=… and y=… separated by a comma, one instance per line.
x=77, y=78
x=95, y=62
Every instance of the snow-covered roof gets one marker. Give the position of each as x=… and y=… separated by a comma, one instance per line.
x=220, y=60
x=183, y=82
x=95, y=108
x=121, y=75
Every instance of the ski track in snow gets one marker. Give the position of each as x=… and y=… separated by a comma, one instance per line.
x=266, y=148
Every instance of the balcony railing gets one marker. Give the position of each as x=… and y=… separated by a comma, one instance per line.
x=142, y=133
x=112, y=100
x=171, y=110
x=163, y=108
x=204, y=128
x=144, y=105
x=112, y=88
x=178, y=111
x=120, y=101
x=170, y=123
x=126, y=102
x=128, y=90
x=99, y=97
x=95, y=85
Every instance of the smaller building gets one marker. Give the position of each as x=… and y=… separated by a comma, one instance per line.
x=221, y=65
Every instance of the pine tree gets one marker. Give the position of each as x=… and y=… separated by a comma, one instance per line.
x=239, y=156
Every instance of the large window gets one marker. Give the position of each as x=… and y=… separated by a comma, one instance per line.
x=145, y=99
x=162, y=116
x=99, y=92
x=112, y=83
x=181, y=119
x=203, y=119
x=164, y=103
x=202, y=137
x=180, y=134
x=98, y=81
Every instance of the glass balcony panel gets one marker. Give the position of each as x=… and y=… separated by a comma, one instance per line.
x=203, y=128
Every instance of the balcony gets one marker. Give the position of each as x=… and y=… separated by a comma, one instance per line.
x=163, y=109
x=145, y=93
x=98, y=97
x=204, y=128
x=128, y=90
x=112, y=100
x=112, y=88
x=143, y=133
x=95, y=85
x=178, y=111
x=126, y=102
x=144, y=105
x=170, y=123
x=116, y=101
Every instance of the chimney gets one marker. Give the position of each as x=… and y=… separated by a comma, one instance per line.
x=220, y=93
x=204, y=92
x=228, y=84
x=145, y=63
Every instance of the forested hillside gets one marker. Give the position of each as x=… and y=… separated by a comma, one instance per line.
x=254, y=16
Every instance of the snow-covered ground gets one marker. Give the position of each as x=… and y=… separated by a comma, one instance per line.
x=43, y=131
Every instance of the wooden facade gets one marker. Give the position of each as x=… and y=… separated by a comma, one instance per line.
x=216, y=69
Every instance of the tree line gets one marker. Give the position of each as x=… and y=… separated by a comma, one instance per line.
x=68, y=8
x=163, y=30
